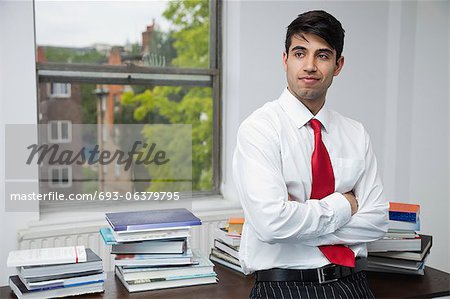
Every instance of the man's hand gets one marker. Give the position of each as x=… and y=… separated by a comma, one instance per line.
x=352, y=200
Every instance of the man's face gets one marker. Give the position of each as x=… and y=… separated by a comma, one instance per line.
x=310, y=67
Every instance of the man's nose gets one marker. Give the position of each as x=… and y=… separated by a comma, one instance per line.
x=310, y=64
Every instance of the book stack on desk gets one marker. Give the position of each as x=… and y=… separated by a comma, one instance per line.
x=402, y=250
x=56, y=272
x=226, y=244
x=152, y=251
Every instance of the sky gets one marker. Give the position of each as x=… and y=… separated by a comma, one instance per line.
x=84, y=23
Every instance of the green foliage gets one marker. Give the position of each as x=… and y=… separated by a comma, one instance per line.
x=161, y=46
x=90, y=176
x=88, y=104
x=182, y=105
x=73, y=55
x=195, y=108
x=176, y=141
x=190, y=20
x=135, y=49
x=89, y=113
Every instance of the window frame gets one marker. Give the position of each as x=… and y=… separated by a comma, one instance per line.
x=163, y=76
x=58, y=86
x=60, y=183
x=59, y=126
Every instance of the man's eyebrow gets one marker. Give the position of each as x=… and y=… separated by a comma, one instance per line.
x=324, y=50
x=321, y=50
x=298, y=48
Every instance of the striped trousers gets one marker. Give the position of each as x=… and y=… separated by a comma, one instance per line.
x=353, y=286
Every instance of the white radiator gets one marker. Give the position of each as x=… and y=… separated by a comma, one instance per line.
x=87, y=234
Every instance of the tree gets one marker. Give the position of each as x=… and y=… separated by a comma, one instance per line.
x=190, y=20
x=73, y=55
x=161, y=49
x=182, y=105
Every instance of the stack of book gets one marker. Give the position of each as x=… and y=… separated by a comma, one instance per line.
x=402, y=249
x=226, y=244
x=56, y=272
x=152, y=251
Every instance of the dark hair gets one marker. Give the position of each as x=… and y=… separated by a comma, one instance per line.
x=320, y=23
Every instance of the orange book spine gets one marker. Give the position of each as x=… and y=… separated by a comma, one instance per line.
x=403, y=207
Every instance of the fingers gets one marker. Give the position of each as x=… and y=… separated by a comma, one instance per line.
x=350, y=193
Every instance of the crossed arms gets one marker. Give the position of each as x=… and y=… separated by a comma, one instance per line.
x=264, y=197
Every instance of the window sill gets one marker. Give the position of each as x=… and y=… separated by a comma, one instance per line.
x=85, y=220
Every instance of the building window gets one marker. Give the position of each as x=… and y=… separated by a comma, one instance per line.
x=59, y=90
x=60, y=176
x=60, y=131
x=155, y=76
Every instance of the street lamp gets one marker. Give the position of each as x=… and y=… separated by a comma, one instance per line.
x=101, y=94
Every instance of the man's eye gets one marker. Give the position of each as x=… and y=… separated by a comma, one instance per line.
x=299, y=54
x=323, y=56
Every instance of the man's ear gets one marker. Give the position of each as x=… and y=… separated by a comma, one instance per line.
x=339, y=66
x=285, y=57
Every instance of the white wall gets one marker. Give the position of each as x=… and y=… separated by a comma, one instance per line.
x=429, y=124
x=395, y=81
x=17, y=106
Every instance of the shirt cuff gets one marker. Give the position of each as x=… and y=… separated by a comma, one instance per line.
x=341, y=207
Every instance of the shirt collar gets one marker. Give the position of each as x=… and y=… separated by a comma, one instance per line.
x=299, y=113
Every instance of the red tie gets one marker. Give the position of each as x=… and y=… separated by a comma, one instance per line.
x=323, y=185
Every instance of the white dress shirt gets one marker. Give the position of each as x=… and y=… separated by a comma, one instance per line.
x=273, y=159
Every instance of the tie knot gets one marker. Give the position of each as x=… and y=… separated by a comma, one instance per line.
x=315, y=125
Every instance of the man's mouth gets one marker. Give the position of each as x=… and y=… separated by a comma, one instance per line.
x=309, y=80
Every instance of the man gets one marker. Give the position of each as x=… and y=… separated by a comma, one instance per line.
x=307, y=179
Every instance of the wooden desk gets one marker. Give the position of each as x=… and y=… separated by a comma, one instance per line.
x=434, y=283
x=233, y=285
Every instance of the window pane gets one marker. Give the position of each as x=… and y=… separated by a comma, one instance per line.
x=145, y=33
x=65, y=175
x=65, y=89
x=55, y=176
x=60, y=90
x=176, y=105
x=54, y=131
x=64, y=131
x=136, y=105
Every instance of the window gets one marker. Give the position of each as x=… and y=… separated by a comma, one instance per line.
x=59, y=131
x=151, y=74
x=59, y=90
x=60, y=176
